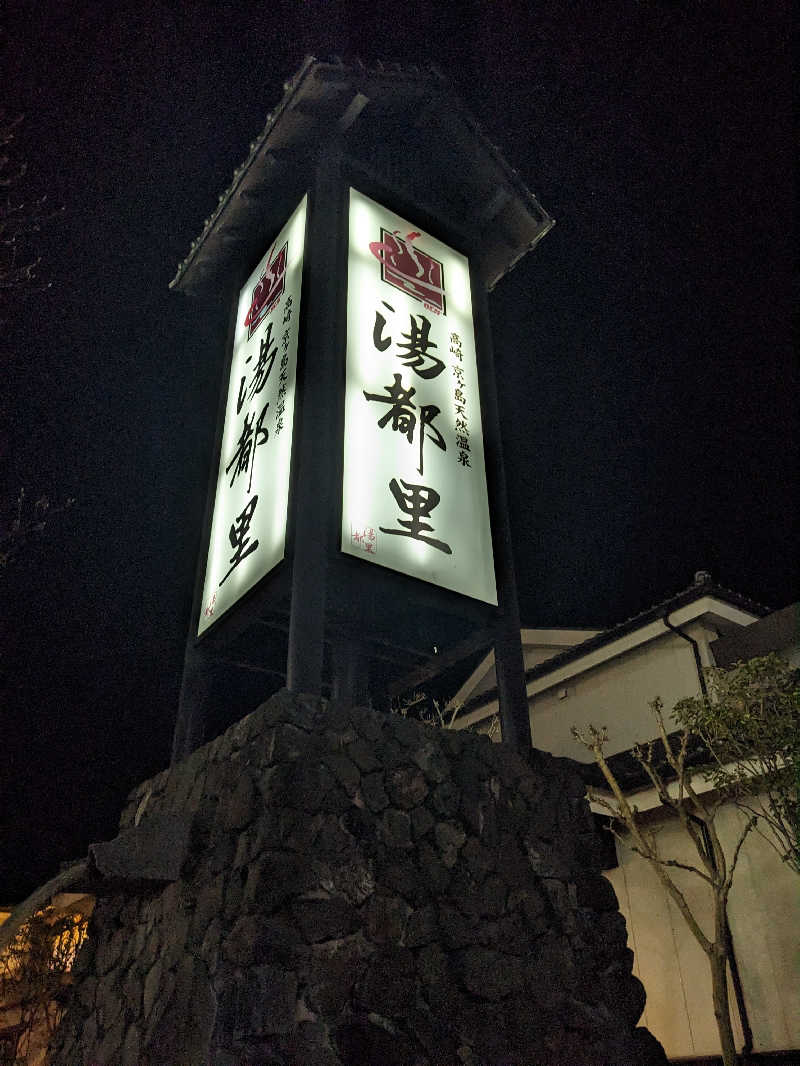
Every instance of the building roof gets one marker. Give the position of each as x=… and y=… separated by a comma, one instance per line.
x=403, y=125
x=702, y=587
x=778, y=631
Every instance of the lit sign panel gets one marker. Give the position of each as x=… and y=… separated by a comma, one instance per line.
x=248, y=531
x=414, y=495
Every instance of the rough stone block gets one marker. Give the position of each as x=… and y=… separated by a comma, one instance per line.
x=154, y=850
x=546, y=858
x=130, y=1047
x=334, y=842
x=458, y=930
x=422, y=927
x=406, y=786
x=490, y=974
x=325, y=919
x=239, y=809
x=596, y=892
x=624, y=995
x=646, y=1050
x=354, y=879
x=513, y=935
x=445, y=798
x=402, y=876
x=365, y=1042
x=389, y=893
x=508, y=764
x=270, y=997
x=480, y=860
x=453, y=743
x=408, y=732
x=368, y=723
x=373, y=792
x=290, y=743
x=396, y=827
x=450, y=838
x=434, y=871
x=389, y=986
x=386, y=919
x=440, y=1045
x=309, y=1045
x=333, y=970
x=422, y=821
x=363, y=755
x=431, y=761
x=432, y=964
x=275, y=877
x=344, y=770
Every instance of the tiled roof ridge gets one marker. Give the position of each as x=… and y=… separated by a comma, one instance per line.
x=384, y=70
x=697, y=588
x=716, y=589
x=290, y=87
x=692, y=592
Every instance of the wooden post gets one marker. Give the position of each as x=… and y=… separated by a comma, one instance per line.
x=349, y=666
x=190, y=722
x=320, y=398
x=195, y=694
x=509, y=664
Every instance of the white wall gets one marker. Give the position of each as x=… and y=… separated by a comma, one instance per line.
x=535, y=654
x=668, y=960
x=764, y=915
x=617, y=695
x=764, y=906
x=487, y=682
x=765, y=924
x=537, y=647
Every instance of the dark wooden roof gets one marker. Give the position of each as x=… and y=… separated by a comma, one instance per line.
x=402, y=124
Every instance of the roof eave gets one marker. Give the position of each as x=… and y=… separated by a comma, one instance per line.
x=608, y=636
x=321, y=99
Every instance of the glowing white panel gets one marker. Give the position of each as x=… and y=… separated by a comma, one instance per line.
x=248, y=530
x=414, y=494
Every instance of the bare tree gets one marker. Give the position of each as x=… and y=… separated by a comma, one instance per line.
x=432, y=710
x=749, y=723
x=34, y=972
x=22, y=216
x=696, y=813
x=28, y=521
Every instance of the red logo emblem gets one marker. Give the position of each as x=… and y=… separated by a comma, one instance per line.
x=410, y=269
x=268, y=291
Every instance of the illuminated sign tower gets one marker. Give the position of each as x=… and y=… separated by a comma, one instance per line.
x=357, y=524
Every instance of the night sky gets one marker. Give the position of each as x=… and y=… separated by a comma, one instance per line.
x=646, y=373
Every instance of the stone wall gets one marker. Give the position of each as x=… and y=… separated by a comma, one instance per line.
x=361, y=889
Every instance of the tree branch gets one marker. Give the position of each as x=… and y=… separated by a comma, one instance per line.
x=751, y=824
